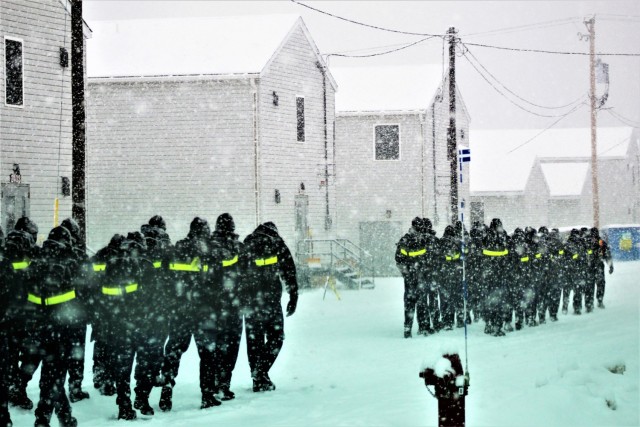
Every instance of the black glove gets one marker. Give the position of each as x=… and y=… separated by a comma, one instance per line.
x=291, y=306
x=610, y=269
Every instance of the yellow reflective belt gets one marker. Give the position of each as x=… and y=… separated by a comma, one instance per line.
x=575, y=256
x=194, y=266
x=99, y=267
x=21, y=265
x=266, y=261
x=494, y=253
x=524, y=259
x=418, y=253
x=561, y=252
x=538, y=256
x=452, y=258
x=589, y=252
x=157, y=264
x=229, y=262
x=56, y=299
x=132, y=287
x=404, y=252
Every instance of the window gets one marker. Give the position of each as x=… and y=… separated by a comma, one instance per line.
x=13, y=62
x=387, y=142
x=300, y=117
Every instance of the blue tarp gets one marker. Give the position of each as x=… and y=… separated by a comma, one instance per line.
x=624, y=241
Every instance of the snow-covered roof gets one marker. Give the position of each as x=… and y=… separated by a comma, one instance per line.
x=386, y=88
x=502, y=159
x=186, y=46
x=565, y=178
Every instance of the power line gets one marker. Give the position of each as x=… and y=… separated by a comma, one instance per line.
x=364, y=24
x=380, y=53
x=547, y=128
x=621, y=118
x=506, y=97
x=616, y=145
x=518, y=96
x=526, y=27
x=550, y=51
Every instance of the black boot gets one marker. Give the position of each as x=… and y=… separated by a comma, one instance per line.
x=165, y=399
x=18, y=397
x=226, y=394
x=126, y=412
x=66, y=420
x=141, y=403
x=209, y=401
x=108, y=389
x=76, y=394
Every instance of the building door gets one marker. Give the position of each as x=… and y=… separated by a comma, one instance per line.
x=15, y=204
x=379, y=238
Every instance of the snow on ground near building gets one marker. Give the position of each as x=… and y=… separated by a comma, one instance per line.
x=345, y=363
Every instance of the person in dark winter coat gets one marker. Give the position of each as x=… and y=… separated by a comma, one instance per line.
x=474, y=270
x=555, y=250
x=494, y=275
x=53, y=311
x=79, y=335
x=428, y=307
x=598, y=250
x=520, y=257
x=192, y=312
x=120, y=312
x=154, y=320
x=576, y=253
x=267, y=262
x=411, y=259
x=226, y=248
x=450, y=279
x=20, y=249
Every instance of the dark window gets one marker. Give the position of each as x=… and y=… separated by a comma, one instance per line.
x=388, y=142
x=300, y=117
x=13, y=71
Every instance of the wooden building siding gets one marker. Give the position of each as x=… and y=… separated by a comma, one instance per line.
x=285, y=163
x=37, y=136
x=178, y=149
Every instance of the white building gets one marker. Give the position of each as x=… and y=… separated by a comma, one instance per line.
x=391, y=154
x=196, y=117
x=529, y=178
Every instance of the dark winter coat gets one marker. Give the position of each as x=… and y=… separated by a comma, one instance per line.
x=411, y=252
x=224, y=270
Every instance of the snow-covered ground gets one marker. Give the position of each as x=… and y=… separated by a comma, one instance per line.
x=344, y=362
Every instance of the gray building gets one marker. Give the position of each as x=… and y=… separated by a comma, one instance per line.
x=546, y=180
x=35, y=115
x=196, y=117
x=391, y=155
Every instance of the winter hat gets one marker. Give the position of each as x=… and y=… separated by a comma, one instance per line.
x=72, y=226
x=449, y=231
x=137, y=239
x=28, y=226
x=225, y=224
x=594, y=232
x=270, y=225
x=416, y=223
x=496, y=224
x=543, y=230
x=199, y=227
x=61, y=235
x=427, y=223
x=116, y=241
x=158, y=221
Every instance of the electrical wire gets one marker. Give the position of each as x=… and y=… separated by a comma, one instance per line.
x=380, y=53
x=616, y=145
x=621, y=118
x=526, y=27
x=518, y=96
x=364, y=24
x=577, y=107
x=549, y=51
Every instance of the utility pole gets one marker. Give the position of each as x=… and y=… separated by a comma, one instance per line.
x=78, y=150
x=591, y=26
x=451, y=136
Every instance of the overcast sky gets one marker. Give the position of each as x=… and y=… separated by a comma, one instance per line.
x=544, y=79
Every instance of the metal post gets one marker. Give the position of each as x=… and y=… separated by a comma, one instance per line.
x=78, y=154
x=451, y=136
x=591, y=26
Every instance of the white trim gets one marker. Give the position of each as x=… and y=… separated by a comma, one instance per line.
x=4, y=63
x=172, y=78
x=380, y=113
x=399, y=142
x=304, y=118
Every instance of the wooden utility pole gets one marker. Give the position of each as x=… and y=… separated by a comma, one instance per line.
x=451, y=135
x=591, y=26
x=78, y=150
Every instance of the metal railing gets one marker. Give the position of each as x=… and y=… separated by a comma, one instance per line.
x=329, y=255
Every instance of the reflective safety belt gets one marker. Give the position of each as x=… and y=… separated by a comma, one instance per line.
x=561, y=252
x=589, y=252
x=230, y=262
x=575, y=256
x=524, y=259
x=452, y=258
x=56, y=299
x=157, y=264
x=494, y=253
x=414, y=253
x=99, y=267
x=120, y=290
x=538, y=256
x=194, y=266
x=266, y=261
x=21, y=265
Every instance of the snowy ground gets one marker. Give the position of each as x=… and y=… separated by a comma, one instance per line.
x=345, y=363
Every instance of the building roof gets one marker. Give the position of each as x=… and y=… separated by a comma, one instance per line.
x=565, y=179
x=386, y=88
x=502, y=159
x=186, y=46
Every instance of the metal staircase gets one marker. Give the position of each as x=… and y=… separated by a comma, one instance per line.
x=341, y=259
